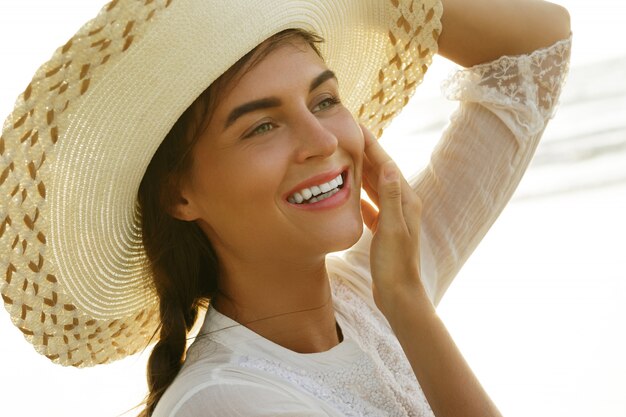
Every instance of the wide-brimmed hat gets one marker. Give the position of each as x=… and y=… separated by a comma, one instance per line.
x=73, y=272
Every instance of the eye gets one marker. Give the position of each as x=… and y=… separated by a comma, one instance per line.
x=326, y=104
x=260, y=129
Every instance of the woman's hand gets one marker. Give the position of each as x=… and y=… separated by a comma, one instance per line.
x=447, y=381
x=395, y=248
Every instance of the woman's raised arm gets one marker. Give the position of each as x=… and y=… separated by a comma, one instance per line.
x=505, y=105
x=479, y=31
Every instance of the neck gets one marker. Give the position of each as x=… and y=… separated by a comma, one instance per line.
x=288, y=304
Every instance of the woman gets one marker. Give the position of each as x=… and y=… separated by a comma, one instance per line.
x=256, y=182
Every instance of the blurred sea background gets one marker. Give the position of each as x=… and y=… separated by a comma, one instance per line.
x=539, y=310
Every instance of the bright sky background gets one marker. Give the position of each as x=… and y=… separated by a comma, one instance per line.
x=539, y=311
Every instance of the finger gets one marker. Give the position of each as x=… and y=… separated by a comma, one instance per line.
x=369, y=183
x=374, y=152
x=391, y=214
x=369, y=180
x=372, y=193
x=370, y=173
x=375, y=158
x=412, y=209
x=371, y=170
x=370, y=215
x=411, y=206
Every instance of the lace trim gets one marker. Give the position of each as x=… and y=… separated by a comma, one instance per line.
x=377, y=338
x=522, y=90
x=379, y=382
x=329, y=387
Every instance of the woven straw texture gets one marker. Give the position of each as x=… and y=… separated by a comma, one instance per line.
x=73, y=273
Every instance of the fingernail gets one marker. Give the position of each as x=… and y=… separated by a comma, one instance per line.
x=390, y=172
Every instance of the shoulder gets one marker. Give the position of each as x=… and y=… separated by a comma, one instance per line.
x=213, y=383
x=228, y=392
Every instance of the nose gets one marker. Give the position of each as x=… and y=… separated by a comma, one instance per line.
x=313, y=138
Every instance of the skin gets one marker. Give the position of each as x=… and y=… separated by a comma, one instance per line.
x=272, y=253
x=275, y=281
x=480, y=31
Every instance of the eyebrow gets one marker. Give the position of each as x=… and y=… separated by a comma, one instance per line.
x=266, y=103
x=321, y=79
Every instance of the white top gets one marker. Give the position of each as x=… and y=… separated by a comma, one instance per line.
x=232, y=371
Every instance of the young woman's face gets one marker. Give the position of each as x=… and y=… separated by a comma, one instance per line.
x=277, y=131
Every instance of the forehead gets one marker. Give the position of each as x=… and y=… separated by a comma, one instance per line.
x=288, y=65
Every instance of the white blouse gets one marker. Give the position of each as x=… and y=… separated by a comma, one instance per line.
x=231, y=371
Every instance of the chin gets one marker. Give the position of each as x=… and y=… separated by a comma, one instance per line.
x=347, y=239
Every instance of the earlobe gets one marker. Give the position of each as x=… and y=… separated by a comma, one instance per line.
x=182, y=209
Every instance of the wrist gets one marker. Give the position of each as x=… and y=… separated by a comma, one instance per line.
x=397, y=303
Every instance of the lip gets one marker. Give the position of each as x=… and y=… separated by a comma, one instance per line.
x=316, y=180
x=336, y=200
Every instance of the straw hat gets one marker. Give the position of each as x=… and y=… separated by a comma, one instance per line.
x=73, y=272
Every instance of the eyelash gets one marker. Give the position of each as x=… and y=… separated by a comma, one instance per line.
x=255, y=130
x=332, y=101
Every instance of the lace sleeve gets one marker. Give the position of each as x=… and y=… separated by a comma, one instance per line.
x=482, y=155
x=521, y=90
x=480, y=158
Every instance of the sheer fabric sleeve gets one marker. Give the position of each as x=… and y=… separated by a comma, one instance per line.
x=480, y=159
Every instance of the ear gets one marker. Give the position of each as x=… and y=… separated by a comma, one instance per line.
x=183, y=208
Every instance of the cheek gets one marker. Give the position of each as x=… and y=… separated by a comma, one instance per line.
x=351, y=131
x=234, y=184
x=352, y=140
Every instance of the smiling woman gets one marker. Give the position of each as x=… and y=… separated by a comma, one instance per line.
x=289, y=132
x=151, y=172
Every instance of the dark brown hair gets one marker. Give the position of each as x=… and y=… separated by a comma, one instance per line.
x=184, y=265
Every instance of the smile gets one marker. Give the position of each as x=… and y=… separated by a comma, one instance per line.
x=318, y=192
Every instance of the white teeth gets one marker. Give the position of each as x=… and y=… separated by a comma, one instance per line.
x=324, y=196
x=317, y=192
